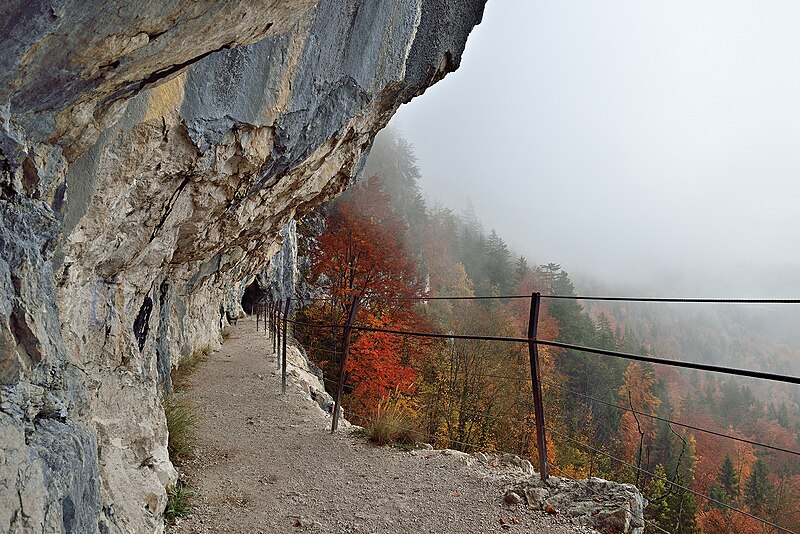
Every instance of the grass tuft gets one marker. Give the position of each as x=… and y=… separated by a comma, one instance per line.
x=392, y=422
x=178, y=496
x=181, y=422
x=187, y=365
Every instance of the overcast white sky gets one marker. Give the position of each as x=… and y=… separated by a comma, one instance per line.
x=624, y=137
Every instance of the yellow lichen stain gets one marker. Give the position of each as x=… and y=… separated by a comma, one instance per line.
x=165, y=99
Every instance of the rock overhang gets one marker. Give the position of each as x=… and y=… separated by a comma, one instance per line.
x=150, y=152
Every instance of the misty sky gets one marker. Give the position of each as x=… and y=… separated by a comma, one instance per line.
x=622, y=138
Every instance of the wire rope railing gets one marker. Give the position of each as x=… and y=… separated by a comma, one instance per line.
x=580, y=348
x=667, y=480
x=670, y=421
x=740, y=372
x=673, y=300
x=649, y=359
x=277, y=319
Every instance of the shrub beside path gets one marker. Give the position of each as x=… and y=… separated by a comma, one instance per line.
x=266, y=462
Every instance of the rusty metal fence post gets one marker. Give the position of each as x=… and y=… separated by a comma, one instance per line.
x=285, y=335
x=275, y=308
x=343, y=366
x=268, y=317
x=279, y=329
x=536, y=384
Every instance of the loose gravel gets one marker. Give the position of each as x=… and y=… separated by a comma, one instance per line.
x=266, y=462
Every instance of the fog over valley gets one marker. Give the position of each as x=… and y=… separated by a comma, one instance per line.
x=649, y=146
x=622, y=149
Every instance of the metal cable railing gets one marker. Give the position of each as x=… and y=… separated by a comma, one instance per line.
x=666, y=480
x=740, y=372
x=670, y=421
x=569, y=346
x=278, y=322
x=678, y=300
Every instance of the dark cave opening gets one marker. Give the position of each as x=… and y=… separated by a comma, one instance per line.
x=253, y=294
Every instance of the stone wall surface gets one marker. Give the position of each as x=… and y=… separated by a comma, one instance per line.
x=150, y=152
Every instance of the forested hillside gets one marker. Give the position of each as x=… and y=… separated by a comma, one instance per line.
x=381, y=239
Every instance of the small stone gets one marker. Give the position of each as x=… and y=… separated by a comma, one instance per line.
x=526, y=467
x=550, y=509
x=512, y=497
x=152, y=502
x=535, y=497
x=511, y=459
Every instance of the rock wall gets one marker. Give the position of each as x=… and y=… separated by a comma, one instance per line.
x=150, y=152
x=282, y=274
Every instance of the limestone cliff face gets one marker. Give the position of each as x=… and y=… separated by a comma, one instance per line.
x=150, y=152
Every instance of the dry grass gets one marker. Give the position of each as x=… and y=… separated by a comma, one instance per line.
x=187, y=365
x=181, y=418
x=181, y=422
x=392, y=422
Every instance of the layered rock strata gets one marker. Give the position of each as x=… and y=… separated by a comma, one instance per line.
x=150, y=152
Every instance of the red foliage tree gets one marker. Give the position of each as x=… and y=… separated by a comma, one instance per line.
x=361, y=254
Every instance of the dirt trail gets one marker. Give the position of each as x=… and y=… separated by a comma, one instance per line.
x=266, y=463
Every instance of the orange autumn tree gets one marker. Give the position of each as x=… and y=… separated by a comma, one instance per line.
x=636, y=392
x=515, y=314
x=361, y=254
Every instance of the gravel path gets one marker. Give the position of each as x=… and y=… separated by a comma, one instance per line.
x=266, y=463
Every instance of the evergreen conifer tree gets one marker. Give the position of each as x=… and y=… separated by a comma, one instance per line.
x=758, y=489
x=521, y=269
x=728, y=479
